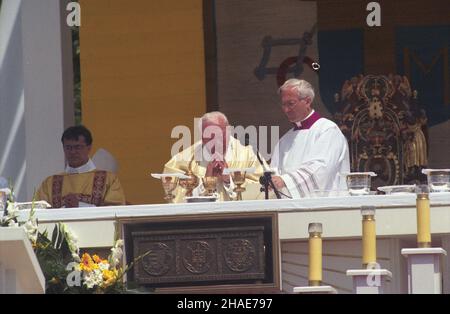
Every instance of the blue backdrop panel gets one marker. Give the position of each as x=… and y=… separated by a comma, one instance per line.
x=341, y=55
x=425, y=45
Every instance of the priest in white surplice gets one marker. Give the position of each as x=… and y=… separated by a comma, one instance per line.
x=311, y=155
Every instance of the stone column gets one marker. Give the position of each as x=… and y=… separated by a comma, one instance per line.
x=36, y=89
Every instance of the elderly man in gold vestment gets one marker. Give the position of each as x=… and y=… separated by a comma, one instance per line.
x=81, y=185
x=212, y=155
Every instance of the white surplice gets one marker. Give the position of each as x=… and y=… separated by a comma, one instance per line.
x=312, y=159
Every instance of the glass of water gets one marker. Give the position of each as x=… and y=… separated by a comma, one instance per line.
x=438, y=180
x=359, y=183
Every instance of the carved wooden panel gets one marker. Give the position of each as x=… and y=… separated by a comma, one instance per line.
x=199, y=255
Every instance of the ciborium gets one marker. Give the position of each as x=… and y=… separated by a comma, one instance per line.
x=210, y=184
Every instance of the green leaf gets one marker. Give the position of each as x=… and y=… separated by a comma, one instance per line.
x=55, y=235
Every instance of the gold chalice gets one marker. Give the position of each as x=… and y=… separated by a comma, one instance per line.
x=239, y=179
x=169, y=185
x=210, y=184
x=189, y=184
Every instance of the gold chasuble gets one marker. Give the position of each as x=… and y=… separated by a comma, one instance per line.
x=100, y=188
x=237, y=156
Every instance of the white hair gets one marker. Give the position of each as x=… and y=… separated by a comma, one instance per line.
x=216, y=117
x=303, y=88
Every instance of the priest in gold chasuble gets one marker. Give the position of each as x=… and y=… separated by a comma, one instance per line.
x=81, y=184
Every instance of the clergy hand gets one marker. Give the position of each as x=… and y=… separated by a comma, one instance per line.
x=182, y=183
x=71, y=201
x=278, y=182
x=215, y=169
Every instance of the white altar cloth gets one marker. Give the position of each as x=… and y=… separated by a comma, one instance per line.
x=340, y=216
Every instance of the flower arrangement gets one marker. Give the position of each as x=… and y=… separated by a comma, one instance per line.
x=65, y=270
x=101, y=275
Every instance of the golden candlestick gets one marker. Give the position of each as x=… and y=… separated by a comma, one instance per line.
x=239, y=179
x=423, y=218
x=369, y=237
x=315, y=254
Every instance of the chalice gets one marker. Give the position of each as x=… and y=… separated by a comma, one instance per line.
x=210, y=184
x=169, y=185
x=189, y=184
x=238, y=179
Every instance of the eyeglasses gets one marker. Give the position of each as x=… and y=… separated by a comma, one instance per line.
x=74, y=147
x=291, y=103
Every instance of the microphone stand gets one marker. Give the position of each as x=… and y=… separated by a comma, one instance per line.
x=266, y=180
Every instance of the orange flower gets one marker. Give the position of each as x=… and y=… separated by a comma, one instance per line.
x=87, y=264
x=86, y=259
x=96, y=259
